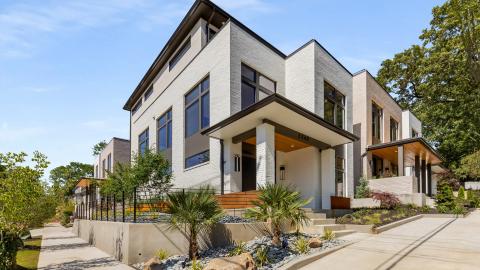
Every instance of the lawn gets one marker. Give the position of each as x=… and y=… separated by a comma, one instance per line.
x=27, y=257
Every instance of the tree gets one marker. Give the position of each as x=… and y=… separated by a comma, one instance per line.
x=362, y=190
x=97, y=148
x=470, y=167
x=64, y=178
x=276, y=204
x=192, y=212
x=439, y=80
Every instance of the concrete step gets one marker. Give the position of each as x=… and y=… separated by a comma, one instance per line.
x=313, y=215
x=322, y=221
x=333, y=227
x=343, y=233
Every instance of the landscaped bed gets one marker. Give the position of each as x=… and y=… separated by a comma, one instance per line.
x=27, y=256
x=276, y=256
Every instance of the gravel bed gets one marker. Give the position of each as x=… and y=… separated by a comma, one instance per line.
x=235, y=219
x=278, y=256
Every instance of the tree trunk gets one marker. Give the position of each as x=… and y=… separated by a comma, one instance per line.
x=193, y=248
x=276, y=235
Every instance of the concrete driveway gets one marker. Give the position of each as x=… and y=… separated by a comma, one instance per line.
x=427, y=243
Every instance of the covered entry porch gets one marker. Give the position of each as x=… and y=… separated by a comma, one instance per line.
x=277, y=141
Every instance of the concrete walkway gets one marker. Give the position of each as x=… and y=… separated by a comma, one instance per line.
x=61, y=249
x=427, y=243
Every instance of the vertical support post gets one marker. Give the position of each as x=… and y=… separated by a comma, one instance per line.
x=429, y=179
x=424, y=176
x=101, y=208
x=417, y=172
x=123, y=206
x=135, y=205
x=265, y=153
x=327, y=177
x=222, y=167
x=401, y=161
x=114, y=207
x=106, y=199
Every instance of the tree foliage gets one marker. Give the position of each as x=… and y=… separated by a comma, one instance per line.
x=470, y=166
x=97, y=148
x=64, y=178
x=439, y=80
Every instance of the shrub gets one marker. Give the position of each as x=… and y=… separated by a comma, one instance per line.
x=362, y=191
x=458, y=210
x=387, y=200
x=238, y=249
x=262, y=256
x=301, y=246
x=196, y=265
x=445, y=198
x=469, y=195
x=461, y=193
x=162, y=254
x=9, y=244
x=328, y=235
x=443, y=209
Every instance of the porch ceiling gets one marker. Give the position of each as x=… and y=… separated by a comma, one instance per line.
x=411, y=147
x=279, y=110
x=283, y=143
x=87, y=181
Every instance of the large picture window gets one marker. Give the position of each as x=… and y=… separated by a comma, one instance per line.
x=377, y=114
x=334, y=106
x=255, y=86
x=143, y=142
x=197, y=118
x=393, y=130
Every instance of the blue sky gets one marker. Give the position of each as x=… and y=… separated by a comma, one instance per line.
x=67, y=67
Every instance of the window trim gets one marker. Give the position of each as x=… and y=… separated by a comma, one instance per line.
x=336, y=104
x=169, y=146
x=147, y=131
x=255, y=84
x=186, y=45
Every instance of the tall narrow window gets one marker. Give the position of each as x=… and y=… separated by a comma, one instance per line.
x=334, y=106
x=165, y=131
x=103, y=168
x=109, y=163
x=255, y=86
x=339, y=175
x=137, y=106
x=143, y=142
x=96, y=171
x=393, y=130
x=181, y=52
x=197, y=118
x=148, y=93
x=377, y=115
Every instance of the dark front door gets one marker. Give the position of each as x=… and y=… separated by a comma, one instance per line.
x=249, y=172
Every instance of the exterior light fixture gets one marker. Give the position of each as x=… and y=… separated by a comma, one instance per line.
x=282, y=172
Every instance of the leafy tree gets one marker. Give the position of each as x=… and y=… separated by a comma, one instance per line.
x=64, y=178
x=97, y=148
x=192, y=212
x=276, y=204
x=439, y=79
x=470, y=167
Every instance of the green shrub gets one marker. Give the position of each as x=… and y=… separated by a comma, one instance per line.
x=301, y=246
x=262, y=256
x=238, y=249
x=162, y=254
x=442, y=209
x=461, y=193
x=469, y=195
x=458, y=210
x=196, y=265
x=445, y=198
x=362, y=190
x=9, y=244
x=328, y=235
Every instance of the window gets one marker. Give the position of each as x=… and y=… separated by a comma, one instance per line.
x=148, y=93
x=109, y=163
x=211, y=32
x=137, y=107
x=181, y=52
x=393, y=130
x=339, y=175
x=164, y=133
x=255, y=86
x=96, y=171
x=143, y=142
x=414, y=133
x=103, y=168
x=377, y=114
x=197, y=118
x=334, y=106
x=197, y=159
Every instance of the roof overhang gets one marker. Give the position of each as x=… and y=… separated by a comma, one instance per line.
x=278, y=110
x=411, y=147
x=87, y=181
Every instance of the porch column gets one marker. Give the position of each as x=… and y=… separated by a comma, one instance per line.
x=401, y=166
x=417, y=172
x=327, y=176
x=429, y=179
x=424, y=176
x=265, y=136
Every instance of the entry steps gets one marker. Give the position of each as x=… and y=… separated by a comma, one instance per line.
x=319, y=223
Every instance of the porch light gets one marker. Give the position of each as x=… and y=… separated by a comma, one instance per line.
x=282, y=172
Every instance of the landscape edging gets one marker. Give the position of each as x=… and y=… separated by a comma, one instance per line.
x=395, y=224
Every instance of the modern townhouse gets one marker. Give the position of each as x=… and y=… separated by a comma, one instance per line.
x=391, y=151
x=230, y=110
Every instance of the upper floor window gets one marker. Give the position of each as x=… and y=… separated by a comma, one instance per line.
x=164, y=125
x=197, y=108
x=181, y=52
x=103, y=168
x=109, y=163
x=255, y=86
x=377, y=115
x=211, y=31
x=148, y=93
x=393, y=130
x=334, y=106
x=414, y=133
x=143, y=142
x=137, y=106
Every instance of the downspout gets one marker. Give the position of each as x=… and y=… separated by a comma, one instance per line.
x=222, y=169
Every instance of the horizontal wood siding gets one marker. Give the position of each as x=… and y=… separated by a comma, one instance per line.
x=238, y=200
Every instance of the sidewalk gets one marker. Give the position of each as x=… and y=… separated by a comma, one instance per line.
x=61, y=249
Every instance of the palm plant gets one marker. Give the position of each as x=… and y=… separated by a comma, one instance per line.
x=192, y=212
x=278, y=203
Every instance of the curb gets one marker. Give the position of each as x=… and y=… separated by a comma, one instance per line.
x=395, y=224
x=301, y=262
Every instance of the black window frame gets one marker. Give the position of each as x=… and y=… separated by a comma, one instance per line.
x=169, y=120
x=146, y=141
x=254, y=84
x=333, y=96
x=377, y=127
x=394, y=129
x=187, y=44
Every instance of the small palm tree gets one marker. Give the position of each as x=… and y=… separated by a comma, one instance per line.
x=278, y=203
x=193, y=211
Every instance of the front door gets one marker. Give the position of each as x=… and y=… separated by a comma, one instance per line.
x=249, y=172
